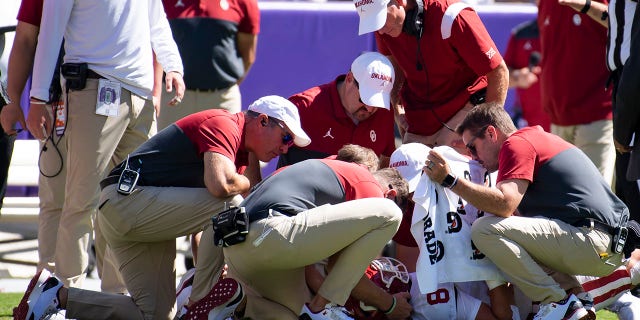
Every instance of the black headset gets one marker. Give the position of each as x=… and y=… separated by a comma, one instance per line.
x=414, y=20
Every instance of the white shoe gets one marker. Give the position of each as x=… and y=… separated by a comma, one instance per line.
x=568, y=309
x=40, y=299
x=330, y=312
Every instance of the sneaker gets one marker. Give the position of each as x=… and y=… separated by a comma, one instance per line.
x=183, y=291
x=219, y=303
x=330, y=311
x=568, y=309
x=40, y=299
x=587, y=302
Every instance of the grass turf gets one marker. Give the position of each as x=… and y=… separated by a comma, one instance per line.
x=9, y=300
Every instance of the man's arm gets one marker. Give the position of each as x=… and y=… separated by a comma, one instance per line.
x=501, y=201
x=498, y=83
x=247, y=46
x=369, y=293
x=595, y=9
x=253, y=171
x=221, y=178
x=20, y=63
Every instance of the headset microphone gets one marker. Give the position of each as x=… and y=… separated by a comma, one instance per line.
x=534, y=59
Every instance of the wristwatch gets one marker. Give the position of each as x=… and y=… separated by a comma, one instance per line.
x=449, y=181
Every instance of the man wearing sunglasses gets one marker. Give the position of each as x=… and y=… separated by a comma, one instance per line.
x=352, y=109
x=169, y=187
x=568, y=220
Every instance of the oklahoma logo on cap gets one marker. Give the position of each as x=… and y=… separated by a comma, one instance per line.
x=374, y=72
x=373, y=14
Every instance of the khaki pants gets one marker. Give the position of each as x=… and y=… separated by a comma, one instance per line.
x=51, y=194
x=595, y=139
x=94, y=143
x=444, y=136
x=519, y=246
x=271, y=261
x=141, y=230
x=196, y=101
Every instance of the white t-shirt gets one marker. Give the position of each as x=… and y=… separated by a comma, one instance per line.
x=8, y=16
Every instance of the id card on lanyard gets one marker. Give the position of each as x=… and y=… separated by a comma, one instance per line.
x=108, y=100
x=60, y=113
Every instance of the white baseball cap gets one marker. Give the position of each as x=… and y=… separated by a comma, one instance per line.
x=375, y=76
x=373, y=14
x=409, y=160
x=282, y=109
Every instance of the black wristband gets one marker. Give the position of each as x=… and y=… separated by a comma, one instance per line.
x=605, y=15
x=587, y=6
x=449, y=181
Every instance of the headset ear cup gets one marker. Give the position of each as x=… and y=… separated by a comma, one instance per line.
x=413, y=22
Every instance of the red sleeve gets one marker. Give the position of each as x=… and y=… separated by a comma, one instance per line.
x=30, y=12
x=473, y=42
x=250, y=23
x=213, y=131
x=517, y=160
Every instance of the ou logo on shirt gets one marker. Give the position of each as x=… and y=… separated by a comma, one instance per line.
x=373, y=136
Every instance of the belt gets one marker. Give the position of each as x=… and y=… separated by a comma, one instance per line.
x=596, y=225
x=109, y=181
x=93, y=75
x=262, y=214
x=211, y=90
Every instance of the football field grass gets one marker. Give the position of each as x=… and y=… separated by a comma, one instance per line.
x=9, y=300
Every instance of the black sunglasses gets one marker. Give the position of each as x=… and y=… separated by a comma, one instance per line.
x=287, y=139
x=471, y=145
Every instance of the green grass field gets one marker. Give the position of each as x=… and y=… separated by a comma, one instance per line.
x=9, y=300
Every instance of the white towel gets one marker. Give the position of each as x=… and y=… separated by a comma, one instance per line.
x=441, y=225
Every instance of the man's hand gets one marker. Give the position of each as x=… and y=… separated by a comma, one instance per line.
x=10, y=115
x=523, y=78
x=174, y=80
x=436, y=167
x=156, y=104
x=403, y=307
x=621, y=148
x=39, y=121
x=575, y=4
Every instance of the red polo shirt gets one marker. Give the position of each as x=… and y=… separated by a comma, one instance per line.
x=325, y=121
x=244, y=13
x=574, y=71
x=452, y=68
